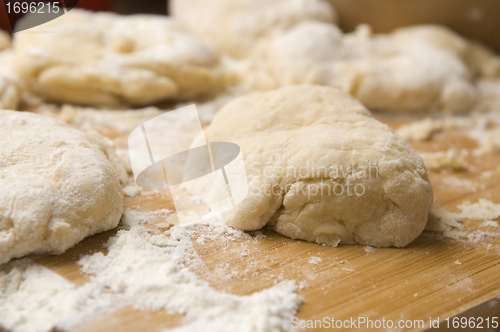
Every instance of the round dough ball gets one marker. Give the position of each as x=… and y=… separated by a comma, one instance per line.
x=104, y=59
x=233, y=27
x=57, y=186
x=411, y=69
x=321, y=168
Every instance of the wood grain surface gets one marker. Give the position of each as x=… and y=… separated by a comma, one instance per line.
x=432, y=277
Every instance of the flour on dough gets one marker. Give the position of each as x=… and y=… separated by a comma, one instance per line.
x=104, y=59
x=406, y=70
x=320, y=168
x=235, y=27
x=58, y=186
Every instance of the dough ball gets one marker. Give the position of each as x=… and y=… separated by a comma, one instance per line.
x=417, y=69
x=103, y=59
x=321, y=168
x=234, y=27
x=57, y=186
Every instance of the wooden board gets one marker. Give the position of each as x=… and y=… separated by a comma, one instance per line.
x=432, y=277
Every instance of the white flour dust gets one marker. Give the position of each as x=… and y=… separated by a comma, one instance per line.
x=148, y=271
x=33, y=299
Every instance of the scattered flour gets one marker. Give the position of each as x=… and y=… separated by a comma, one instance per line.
x=424, y=130
x=444, y=222
x=486, y=131
x=33, y=298
x=369, y=249
x=477, y=236
x=448, y=223
x=490, y=140
x=464, y=183
x=303, y=285
x=86, y=117
x=315, y=260
x=259, y=235
x=126, y=120
x=482, y=210
x=421, y=130
x=149, y=271
x=132, y=190
x=483, y=127
x=132, y=218
x=444, y=160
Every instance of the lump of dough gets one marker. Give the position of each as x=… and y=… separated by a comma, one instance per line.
x=321, y=168
x=234, y=27
x=411, y=69
x=57, y=186
x=104, y=59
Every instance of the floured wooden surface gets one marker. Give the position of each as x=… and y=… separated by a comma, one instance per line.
x=432, y=277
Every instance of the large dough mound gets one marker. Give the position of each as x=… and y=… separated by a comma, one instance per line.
x=104, y=59
x=416, y=69
x=320, y=168
x=234, y=27
x=57, y=186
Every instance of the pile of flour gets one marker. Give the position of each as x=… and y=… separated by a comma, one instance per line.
x=450, y=224
x=149, y=271
x=33, y=299
x=144, y=269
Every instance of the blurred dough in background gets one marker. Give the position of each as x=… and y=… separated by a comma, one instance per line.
x=416, y=69
x=104, y=59
x=266, y=45
x=234, y=27
x=489, y=92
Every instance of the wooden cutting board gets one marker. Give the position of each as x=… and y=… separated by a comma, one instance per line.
x=433, y=277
